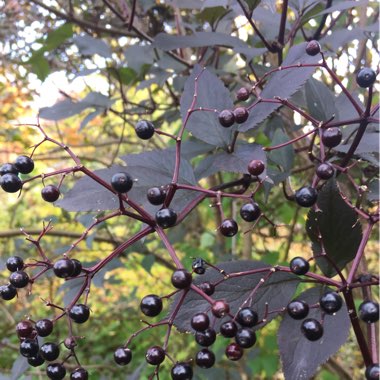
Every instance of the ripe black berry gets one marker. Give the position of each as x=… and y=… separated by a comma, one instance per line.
x=325, y=170
x=372, y=372
x=166, y=217
x=306, y=196
x=369, y=311
x=156, y=195
x=200, y=322
x=365, y=77
x=205, y=338
x=241, y=114
x=256, y=167
x=8, y=292
x=121, y=182
x=245, y=337
x=24, y=329
x=29, y=348
x=298, y=265
x=250, y=212
x=155, y=355
x=207, y=287
x=247, y=317
x=205, y=358
x=226, y=118
x=77, y=267
x=220, y=308
x=55, y=371
x=79, y=374
x=49, y=351
x=298, y=309
x=228, y=329
x=50, y=193
x=331, y=137
x=242, y=94
x=24, y=164
x=181, y=371
x=8, y=168
x=64, y=268
x=331, y=302
x=122, y=356
x=234, y=351
x=44, y=327
x=15, y=263
x=181, y=279
x=151, y=305
x=144, y=129
x=313, y=48
x=79, y=313
x=229, y=227
x=36, y=361
x=10, y=183
x=198, y=266
x=311, y=329
x=19, y=279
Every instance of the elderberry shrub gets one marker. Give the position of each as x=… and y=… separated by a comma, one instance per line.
x=205, y=358
x=14, y=263
x=229, y=227
x=151, y=305
x=181, y=371
x=50, y=193
x=234, y=352
x=181, y=279
x=365, y=77
x=312, y=329
x=226, y=118
x=331, y=302
x=369, y=311
x=122, y=356
x=298, y=265
x=24, y=164
x=144, y=129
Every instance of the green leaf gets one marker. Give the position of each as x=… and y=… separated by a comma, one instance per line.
x=147, y=262
x=40, y=65
x=56, y=37
x=125, y=75
x=337, y=224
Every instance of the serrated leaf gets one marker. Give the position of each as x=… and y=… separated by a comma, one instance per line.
x=212, y=94
x=301, y=357
x=369, y=143
x=338, y=226
x=88, y=45
x=276, y=291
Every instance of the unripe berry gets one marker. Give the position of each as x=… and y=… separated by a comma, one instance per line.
x=313, y=48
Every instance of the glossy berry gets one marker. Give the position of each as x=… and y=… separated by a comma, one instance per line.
x=8, y=292
x=166, y=217
x=144, y=129
x=24, y=329
x=122, y=356
x=365, y=77
x=77, y=268
x=242, y=94
x=155, y=355
x=298, y=309
x=220, y=308
x=330, y=302
x=44, y=327
x=250, y=212
x=256, y=167
x=298, y=265
x=49, y=351
x=156, y=195
x=331, y=137
x=234, y=352
x=313, y=48
x=200, y=322
x=372, y=372
x=369, y=311
x=229, y=227
x=36, y=361
x=121, y=182
x=198, y=266
x=312, y=329
x=247, y=317
x=29, y=348
x=226, y=118
x=151, y=305
x=64, y=268
x=228, y=329
x=50, y=193
x=79, y=313
x=205, y=358
x=8, y=168
x=205, y=338
x=241, y=114
x=70, y=343
x=14, y=263
x=10, y=183
x=181, y=279
x=245, y=337
x=55, y=371
x=207, y=287
x=24, y=164
x=79, y=374
x=19, y=279
x=306, y=196
x=181, y=371
x=325, y=170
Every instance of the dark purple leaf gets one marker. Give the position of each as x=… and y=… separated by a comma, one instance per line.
x=339, y=38
x=284, y=156
x=277, y=291
x=338, y=225
x=88, y=45
x=368, y=144
x=19, y=367
x=301, y=357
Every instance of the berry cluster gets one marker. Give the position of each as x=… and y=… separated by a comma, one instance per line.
x=10, y=181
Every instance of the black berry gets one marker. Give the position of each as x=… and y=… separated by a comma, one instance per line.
x=15, y=263
x=64, y=268
x=313, y=48
x=151, y=305
x=205, y=358
x=7, y=169
x=331, y=137
x=77, y=268
x=122, y=356
x=298, y=265
x=372, y=372
x=200, y=322
x=166, y=217
x=250, y=212
x=205, y=338
x=365, y=77
x=44, y=327
x=306, y=196
x=36, y=361
x=298, y=309
x=55, y=371
x=247, y=317
x=241, y=114
x=242, y=94
x=226, y=118
x=220, y=308
x=49, y=351
x=331, y=302
x=10, y=183
x=181, y=279
x=325, y=170
x=369, y=311
x=228, y=329
x=181, y=371
x=144, y=129
x=256, y=167
x=312, y=329
x=198, y=266
x=79, y=374
x=24, y=329
x=50, y=193
x=156, y=195
x=207, y=287
x=8, y=292
x=229, y=227
x=234, y=351
x=245, y=337
x=155, y=355
x=29, y=348
x=19, y=279
x=24, y=164
x=79, y=313
x=121, y=182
